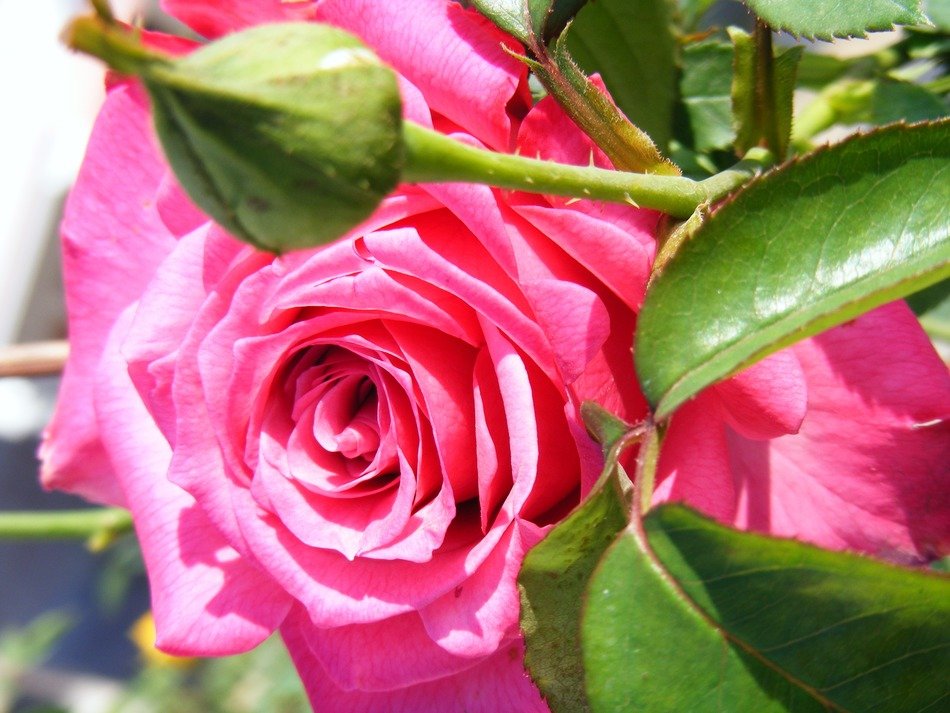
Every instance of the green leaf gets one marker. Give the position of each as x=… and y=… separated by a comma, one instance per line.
x=627, y=145
x=808, y=246
x=742, y=622
x=706, y=90
x=532, y=22
x=632, y=44
x=551, y=582
x=820, y=19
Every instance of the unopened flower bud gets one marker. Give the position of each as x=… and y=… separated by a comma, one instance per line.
x=288, y=135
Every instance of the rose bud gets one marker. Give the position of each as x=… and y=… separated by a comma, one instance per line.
x=287, y=134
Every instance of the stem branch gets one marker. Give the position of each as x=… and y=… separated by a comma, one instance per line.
x=64, y=524
x=434, y=158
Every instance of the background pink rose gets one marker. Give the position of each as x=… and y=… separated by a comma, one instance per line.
x=358, y=444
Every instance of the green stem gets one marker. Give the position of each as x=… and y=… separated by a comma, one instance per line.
x=647, y=460
x=755, y=161
x=64, y=524
x=765, y=86
x=434, y=158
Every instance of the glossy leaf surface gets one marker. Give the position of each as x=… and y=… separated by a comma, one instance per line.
x=742, y=622
x=808, y=246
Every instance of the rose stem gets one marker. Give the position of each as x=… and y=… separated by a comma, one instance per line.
x=435, y=158
x=64, y=524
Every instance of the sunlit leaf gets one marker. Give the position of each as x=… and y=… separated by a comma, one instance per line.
x=810, y=245
x=689, y=615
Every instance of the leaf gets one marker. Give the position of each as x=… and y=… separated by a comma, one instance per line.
x=627, y=146
x=808, y=246
x=632, y=44
x=742, y=622
x=551, y=582
x=820, y=19
x=706, y=89
x=532, y=22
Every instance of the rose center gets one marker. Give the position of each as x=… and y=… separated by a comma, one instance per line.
x=345, y=418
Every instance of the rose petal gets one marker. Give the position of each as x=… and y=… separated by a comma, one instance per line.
x=574, y=320
x=206, y=599
x=213, y=18
x=454, y=56
x=768, y=399
x=868, y=470
x=589, y=238
x=694, y=464
x=475, y=617
x=497, y=683
x=113, y=240
x=359, y=657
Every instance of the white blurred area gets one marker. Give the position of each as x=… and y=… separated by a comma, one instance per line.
x=50, y=97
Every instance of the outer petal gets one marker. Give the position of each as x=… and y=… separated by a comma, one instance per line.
x=694, y=465
x=496, y=683
x=113, y=241
x=359, y=657
x=206, y=599
x=476, y=617
x=870, y=468
x=454, y=56
x=767, y=400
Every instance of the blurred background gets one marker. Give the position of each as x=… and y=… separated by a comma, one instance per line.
x=74, y=624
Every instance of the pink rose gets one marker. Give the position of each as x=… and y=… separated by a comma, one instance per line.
x=358, y=444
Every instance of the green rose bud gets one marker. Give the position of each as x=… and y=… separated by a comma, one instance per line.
x=288, y=135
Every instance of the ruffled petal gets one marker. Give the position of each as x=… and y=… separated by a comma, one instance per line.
x=496, y=683
x=206, y=599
